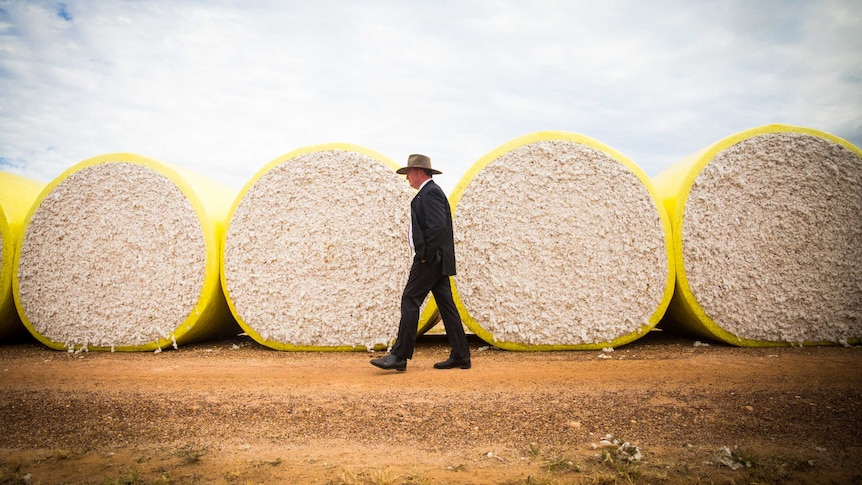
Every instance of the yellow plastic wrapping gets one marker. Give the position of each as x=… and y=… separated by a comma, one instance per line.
x=429, y=316
x=674, y=185
x=210, y=315
x=17, y=195
x=660, y=309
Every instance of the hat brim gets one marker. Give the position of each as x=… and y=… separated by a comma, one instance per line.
x=403, y=170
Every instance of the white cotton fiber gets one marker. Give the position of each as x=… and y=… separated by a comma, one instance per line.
x=560, y=244
x=116, y=256
x=316, y=252
x=772, y=238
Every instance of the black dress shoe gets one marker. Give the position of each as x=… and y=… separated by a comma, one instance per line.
x=451, y=363
x=390, y=362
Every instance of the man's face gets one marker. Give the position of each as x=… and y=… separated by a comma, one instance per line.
x=415, y=176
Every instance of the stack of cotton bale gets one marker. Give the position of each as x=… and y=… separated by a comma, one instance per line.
x=767, y=228
x=316, y=252
x=121, y=252
x=16, y=197
x=561, y=244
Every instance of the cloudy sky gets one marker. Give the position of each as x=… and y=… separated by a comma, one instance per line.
x=224, y=87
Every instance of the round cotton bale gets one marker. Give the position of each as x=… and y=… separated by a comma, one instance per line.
x=16, y=197
x=561, y=244
x=121, y=252
x=316, y=252
x=767, y=228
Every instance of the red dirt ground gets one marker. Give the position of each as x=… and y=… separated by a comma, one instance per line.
x=232, y=411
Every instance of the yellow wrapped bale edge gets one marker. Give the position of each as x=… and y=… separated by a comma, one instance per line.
x=477, y=167
x=16, y=197
x=210, y=200
x=674, y=185
x=429, y=317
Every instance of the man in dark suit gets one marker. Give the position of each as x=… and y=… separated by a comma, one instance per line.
x=433, y=243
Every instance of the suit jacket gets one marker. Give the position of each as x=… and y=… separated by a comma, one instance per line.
x=432, y=228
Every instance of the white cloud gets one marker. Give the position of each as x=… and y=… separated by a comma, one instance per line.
x=225, y=88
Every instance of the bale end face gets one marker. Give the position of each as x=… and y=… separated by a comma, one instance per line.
x=115, y=256
x=316, y=253
x=770, y=245
x=561, y=245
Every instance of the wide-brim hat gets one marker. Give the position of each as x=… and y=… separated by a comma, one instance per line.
x=417, y=161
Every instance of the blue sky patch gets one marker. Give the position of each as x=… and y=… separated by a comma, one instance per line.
x=63, y=13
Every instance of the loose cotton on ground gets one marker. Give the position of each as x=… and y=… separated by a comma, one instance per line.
x=768, y=238
x=316, y=252
x=561, y=244
x=121, y=253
